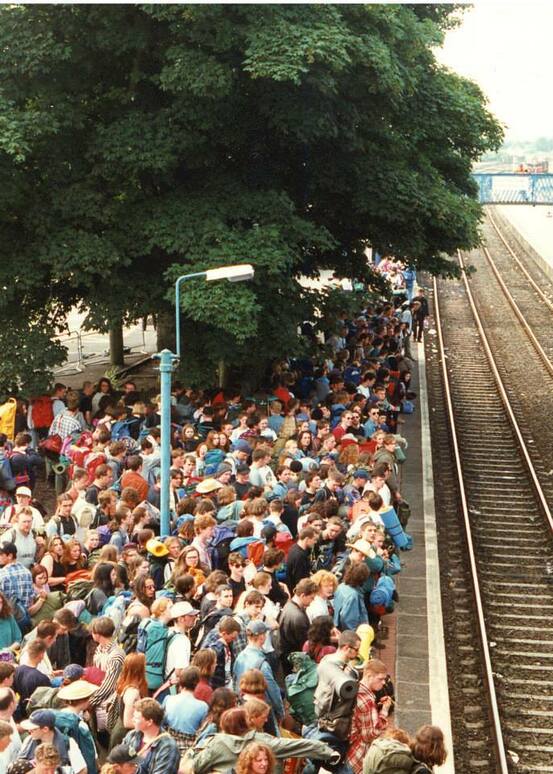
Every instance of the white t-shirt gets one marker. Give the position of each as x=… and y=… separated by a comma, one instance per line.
x=178, y=654
x=318, y=607
x=384, y=492
x=76, y=759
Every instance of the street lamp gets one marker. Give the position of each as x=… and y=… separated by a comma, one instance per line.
x=238, y=273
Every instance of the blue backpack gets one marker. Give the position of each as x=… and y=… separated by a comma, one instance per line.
x=153, y=640
x=120, y=429
x=382, y=596
x=219, y=545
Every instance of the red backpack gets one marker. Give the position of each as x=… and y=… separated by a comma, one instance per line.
x=284, y=541
x=42, y=413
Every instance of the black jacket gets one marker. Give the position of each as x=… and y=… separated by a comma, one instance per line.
x=298, y=566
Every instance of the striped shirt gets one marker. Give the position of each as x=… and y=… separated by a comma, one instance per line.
x=109, y=658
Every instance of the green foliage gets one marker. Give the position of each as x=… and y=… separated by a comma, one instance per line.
x=28, y=358
x=141, y=142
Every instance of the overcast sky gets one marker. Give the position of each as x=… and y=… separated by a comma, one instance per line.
x=507, y=48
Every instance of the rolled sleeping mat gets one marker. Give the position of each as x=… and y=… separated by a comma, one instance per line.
x=394, y=528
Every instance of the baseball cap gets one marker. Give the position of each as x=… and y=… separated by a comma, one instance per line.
x=8, y=548
x=257, y=627
x=182, y=608
x=73, y=672
x=122, y=753
x=242, y=446
x=39, y=719
x=23, y=490
x=361, y=473
x=242, y=468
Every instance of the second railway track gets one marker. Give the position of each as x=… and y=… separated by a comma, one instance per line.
x=510, y=523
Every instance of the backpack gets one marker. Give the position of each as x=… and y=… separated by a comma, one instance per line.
x=42, y=413
x=7, y=481
x=284, y=541
x=115, y=607
x=79, y=589
x=219, y=546
x=389, y=756
x=23, y=478
x=128, y=633
x=43, y=697
x=91, y=463
x=81, y=735
x=154, y=639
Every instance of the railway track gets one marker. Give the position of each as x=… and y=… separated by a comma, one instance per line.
x=501, y=493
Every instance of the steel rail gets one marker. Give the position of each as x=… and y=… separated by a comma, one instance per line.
x=494, y=707
x=516, y=309
x=520, y=265
x=505, y=399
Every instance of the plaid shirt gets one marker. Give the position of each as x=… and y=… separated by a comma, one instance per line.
x=367, y=724
x=65, y=424
x=16, y=583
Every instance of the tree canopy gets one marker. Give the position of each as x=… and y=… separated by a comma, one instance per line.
x=141, y=142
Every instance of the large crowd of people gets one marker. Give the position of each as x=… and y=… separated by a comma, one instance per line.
x=242, y=641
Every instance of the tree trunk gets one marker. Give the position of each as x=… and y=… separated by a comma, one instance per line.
x=116, y=355
x=166, y=328
x=222, y=372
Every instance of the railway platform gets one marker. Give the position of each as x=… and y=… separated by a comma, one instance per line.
x=414, y=648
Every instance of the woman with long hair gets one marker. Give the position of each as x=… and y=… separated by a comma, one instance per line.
x=189, y=438
x=205, y=660
x=222, y=700
x=131, y=686
x=429, y=749
x=73, y=558
x=214, y=455
x=104, y=579
x=224, y=442
x=256, y=759
x=305, y=443
x=10, y=632
x=103, y=389
x=189, y=563
x=137, y=566
x=52, y=561
x=144, y=588
x=319, y=638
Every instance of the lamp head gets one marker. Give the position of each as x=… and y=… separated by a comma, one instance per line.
x=239, y=273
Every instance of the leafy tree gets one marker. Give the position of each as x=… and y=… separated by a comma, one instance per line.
x=138, y=143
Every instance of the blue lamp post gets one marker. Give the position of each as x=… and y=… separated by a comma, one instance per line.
x=167, y=360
